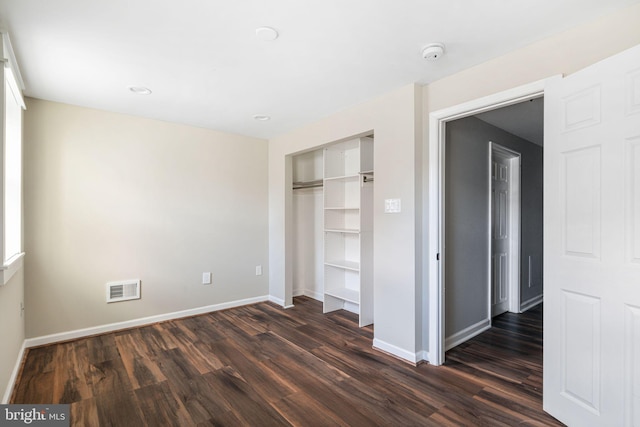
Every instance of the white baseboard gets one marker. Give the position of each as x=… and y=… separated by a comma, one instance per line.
x=14, y=376
x=430, y=357
x=79, y=333
x=318, y=296
x=395, y=351
x=277, y=301
x=466, y=334
x=530, y=303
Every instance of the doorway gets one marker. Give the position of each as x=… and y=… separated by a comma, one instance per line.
x=483, y=242
x=440, y=319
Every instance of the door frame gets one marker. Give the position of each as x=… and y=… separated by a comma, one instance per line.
x=436, y=218
x=515, y=189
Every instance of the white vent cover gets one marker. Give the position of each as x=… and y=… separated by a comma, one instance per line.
x=123, y=290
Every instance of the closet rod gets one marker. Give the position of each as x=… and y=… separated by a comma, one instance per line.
x=307, y=184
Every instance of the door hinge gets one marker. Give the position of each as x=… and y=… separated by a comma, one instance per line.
x=438, y=257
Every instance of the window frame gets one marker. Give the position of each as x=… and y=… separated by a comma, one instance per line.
x=10, y=77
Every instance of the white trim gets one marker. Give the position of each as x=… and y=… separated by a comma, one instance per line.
x=467, y=333
x=530, y=303
x=14, y=376
x=436, y=248
x=276, y=300
x=279, y=301
x=11, y=267
x=80, y=333
x=437, y=120
x=489, y=259
x=318, y=296
x=11, y=60
x=516, y=232
x=396, y=351
x=10, y=78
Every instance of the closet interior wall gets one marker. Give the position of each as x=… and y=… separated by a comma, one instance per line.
x=308, y=252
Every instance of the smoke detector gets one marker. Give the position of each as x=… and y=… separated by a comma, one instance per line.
x=433, y=52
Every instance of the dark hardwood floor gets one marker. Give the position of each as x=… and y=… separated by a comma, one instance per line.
x=260, y=365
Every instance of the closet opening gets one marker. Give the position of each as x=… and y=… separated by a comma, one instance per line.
x=332, y=226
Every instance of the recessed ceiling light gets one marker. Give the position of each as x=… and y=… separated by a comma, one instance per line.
x=266, y=34
x=140, y=90
x=261, y=117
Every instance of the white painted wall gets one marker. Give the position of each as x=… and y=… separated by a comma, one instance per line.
x=308, y=230
x=308, y=248
x=397, y=132
x=110, y=197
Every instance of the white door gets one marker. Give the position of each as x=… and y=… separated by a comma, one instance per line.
x=592, y=244
x=500, y=233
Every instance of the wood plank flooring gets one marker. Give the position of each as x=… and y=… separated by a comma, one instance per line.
x=260, y=365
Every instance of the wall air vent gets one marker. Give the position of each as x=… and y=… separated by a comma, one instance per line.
x=123, y=290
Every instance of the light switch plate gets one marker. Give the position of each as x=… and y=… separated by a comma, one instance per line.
x=392, y=206
x=206, y=278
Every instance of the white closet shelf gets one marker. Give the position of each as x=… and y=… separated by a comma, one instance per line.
x=348, y=210
x=342, y=230
x=345, y=294
x=347, y=265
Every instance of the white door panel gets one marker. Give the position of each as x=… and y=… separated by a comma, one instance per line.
x=500, y=239
x=632, y=170
x=592, y=244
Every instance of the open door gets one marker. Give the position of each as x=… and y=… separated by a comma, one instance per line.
x=505, y=230
x=592, y=244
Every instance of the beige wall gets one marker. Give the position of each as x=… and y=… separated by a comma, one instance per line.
x=11, y=327
x=111, y=197
x=397, y=137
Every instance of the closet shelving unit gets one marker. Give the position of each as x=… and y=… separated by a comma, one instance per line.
x=348, y=228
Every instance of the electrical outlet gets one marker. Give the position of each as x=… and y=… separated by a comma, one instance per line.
x=258, y=270
x=206, y=278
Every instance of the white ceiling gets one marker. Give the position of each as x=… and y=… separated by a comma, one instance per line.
x=206, y=68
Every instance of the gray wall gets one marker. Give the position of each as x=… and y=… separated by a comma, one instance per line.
x=467, y=219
